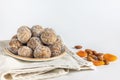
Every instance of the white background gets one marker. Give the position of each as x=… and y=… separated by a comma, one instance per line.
x=94, y=24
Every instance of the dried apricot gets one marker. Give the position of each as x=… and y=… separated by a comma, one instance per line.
x=82, y=53
x=110, y=57
x=98, y=63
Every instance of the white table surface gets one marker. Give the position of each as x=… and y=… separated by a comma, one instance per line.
x=94, y=24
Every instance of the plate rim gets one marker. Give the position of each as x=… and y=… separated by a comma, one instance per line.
x=32, y=59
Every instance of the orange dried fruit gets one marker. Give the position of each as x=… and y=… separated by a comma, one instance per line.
x=82, y=53
x=98, y=63
x=110, y=57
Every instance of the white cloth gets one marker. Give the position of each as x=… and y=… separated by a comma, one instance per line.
x=13, y=69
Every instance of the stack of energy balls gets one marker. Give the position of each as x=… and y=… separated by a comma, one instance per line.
x=36, y=42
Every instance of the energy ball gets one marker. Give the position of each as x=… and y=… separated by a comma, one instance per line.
x=48, y=36
x=14, y=37
x=36, y=30
x=42, y=52
x=23, y=34
x=56, y=48
x=25, y=51
x=58, y=41
x=34, y=42
x=14, y=45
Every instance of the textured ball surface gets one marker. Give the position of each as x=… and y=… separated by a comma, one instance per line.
x=23, y=34
x=25, y=51
x=14, y=45
x=34, y=42
x=36, y=30
x=48, y=36
x=42, y=52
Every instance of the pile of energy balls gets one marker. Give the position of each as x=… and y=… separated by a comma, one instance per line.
x=36, y=42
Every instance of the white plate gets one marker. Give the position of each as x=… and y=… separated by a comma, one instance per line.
x=32, y=59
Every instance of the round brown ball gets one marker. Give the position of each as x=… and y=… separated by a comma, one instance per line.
x=14, y=37
x=48, y=36
x=23, y=34
x=59, y=41
x=42, y=52
x=56, y=48
x=25, y=51
x=14, y=45
x=36, y=30
x=34, y=42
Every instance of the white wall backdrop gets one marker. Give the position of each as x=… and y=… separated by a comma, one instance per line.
x=93, y=23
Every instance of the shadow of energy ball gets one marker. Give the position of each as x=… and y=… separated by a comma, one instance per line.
x=36, y=30
x=23, y=34
x=25, y=51
x=48, y=36
x=42, y=52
